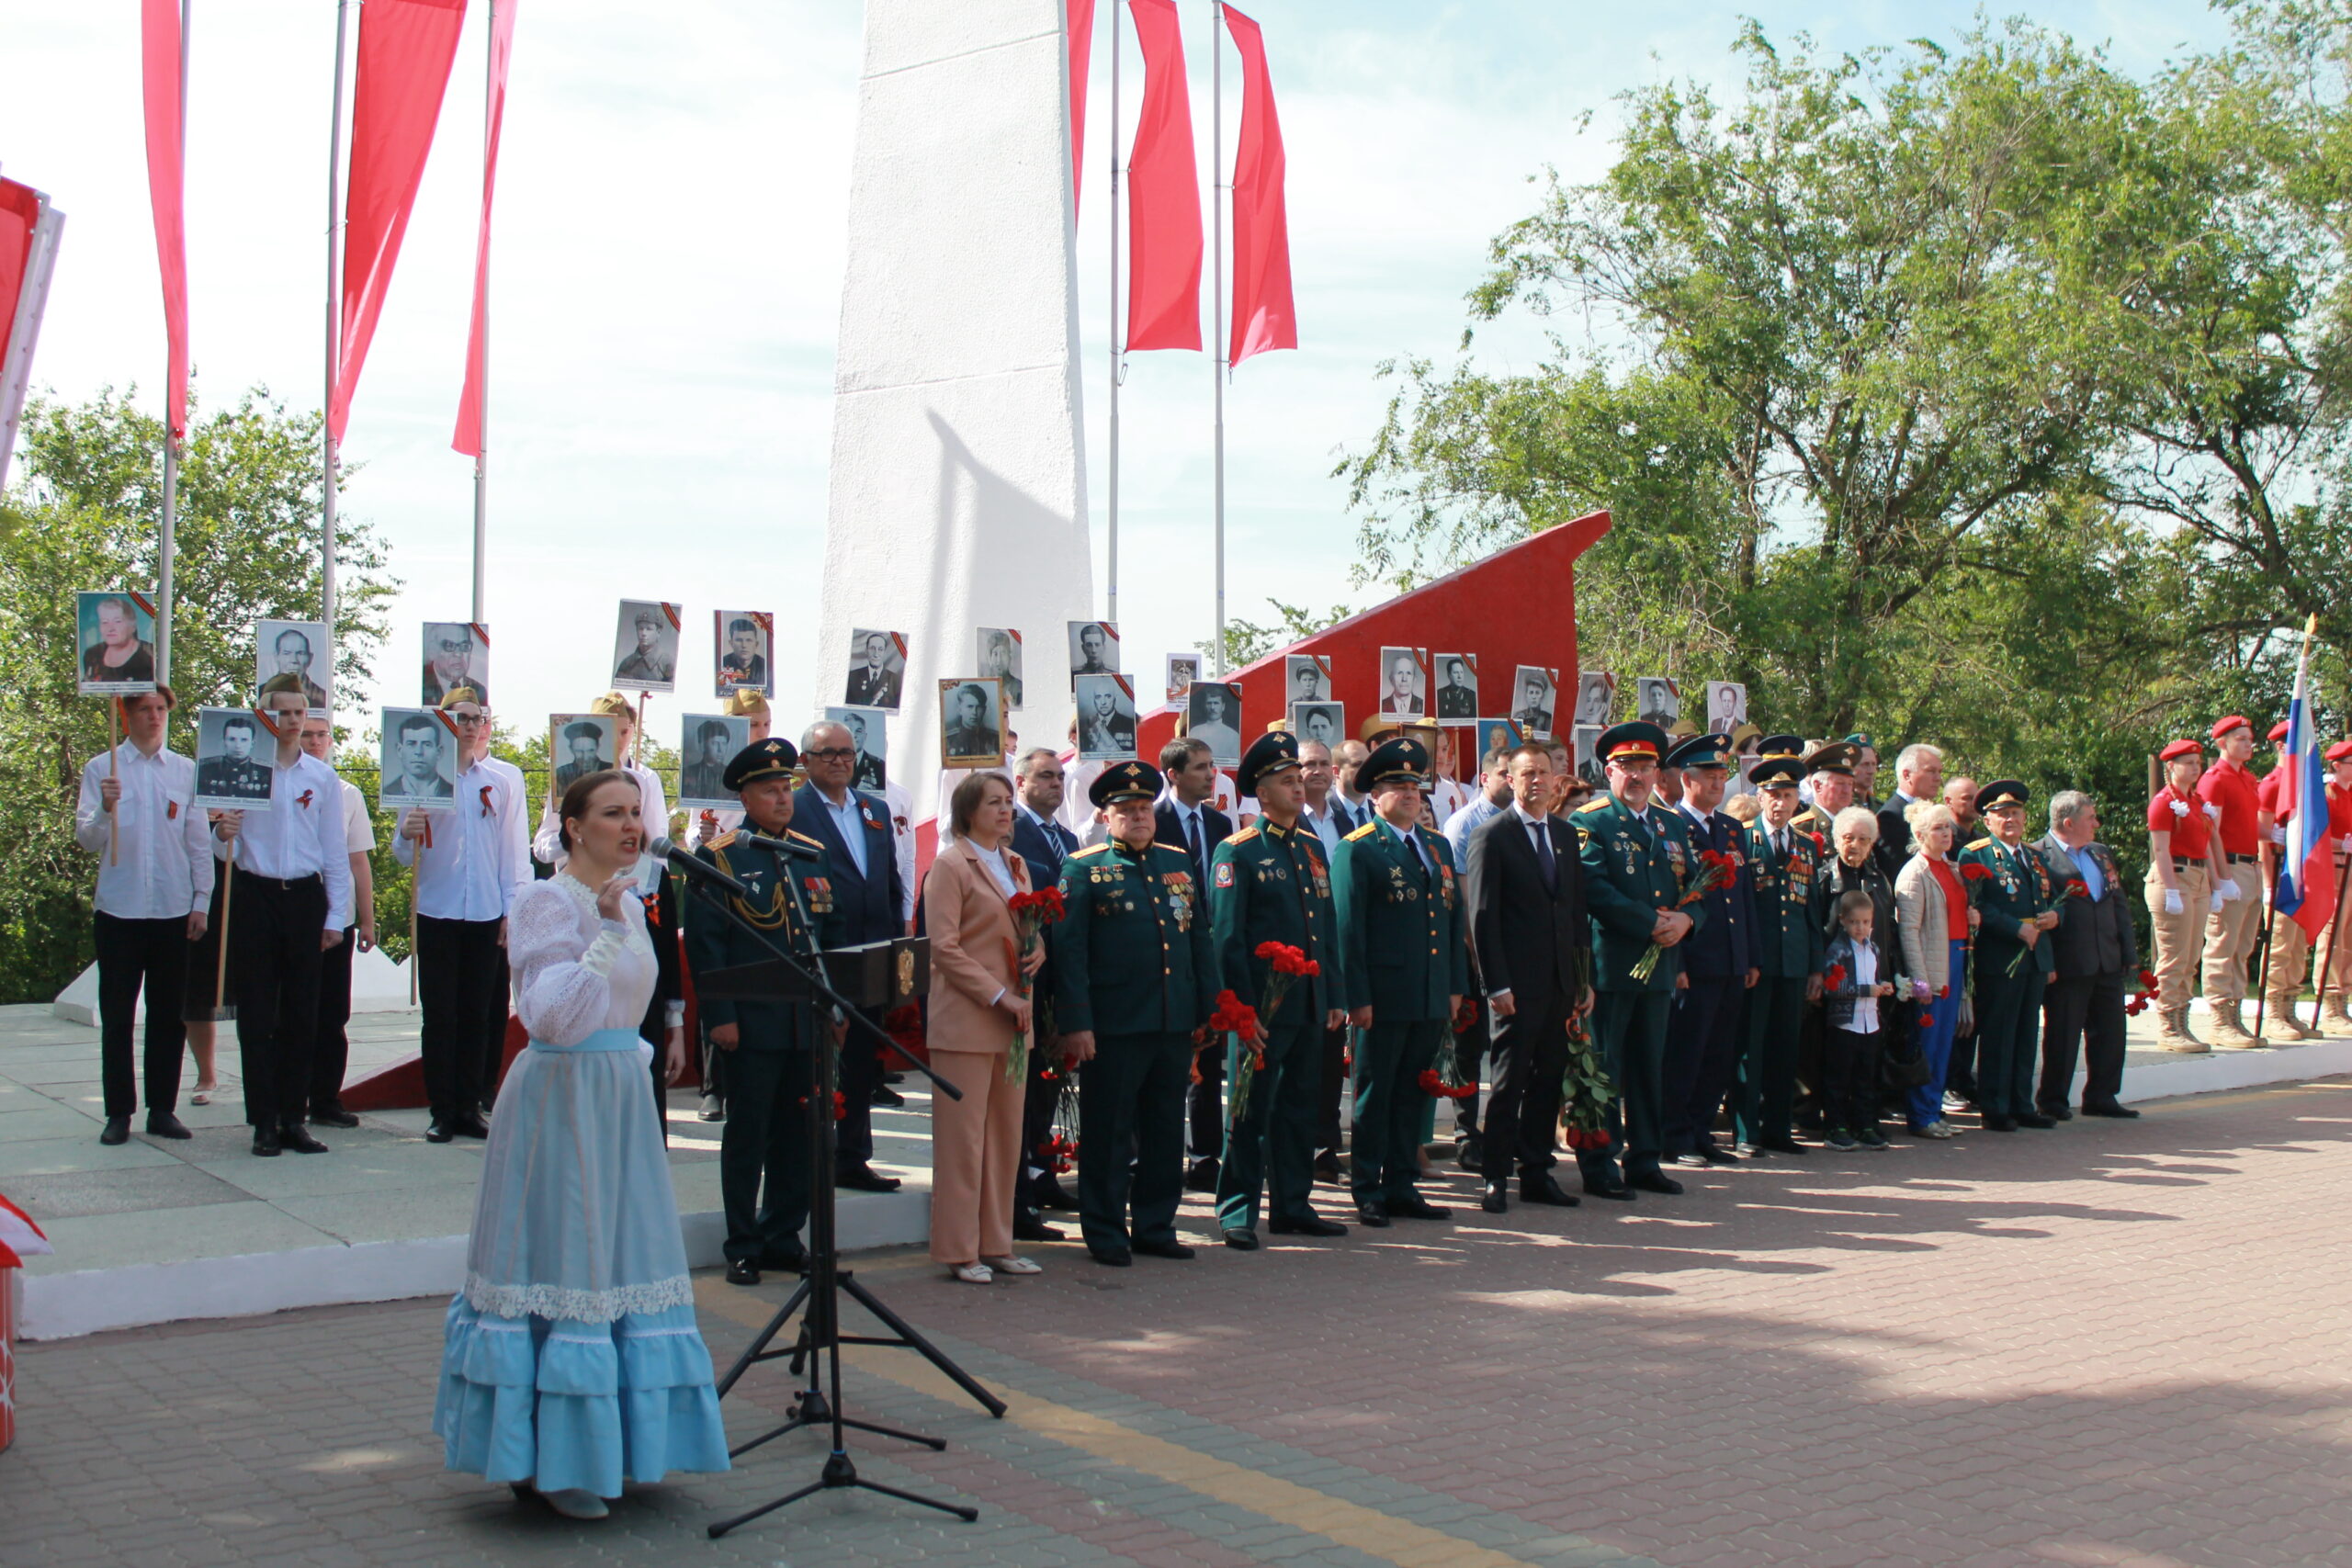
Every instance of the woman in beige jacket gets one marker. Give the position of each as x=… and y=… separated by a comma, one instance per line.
x=1932, y=915
x=978, y=1003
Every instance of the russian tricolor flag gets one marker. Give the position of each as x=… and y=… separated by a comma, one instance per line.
x=2306, y=870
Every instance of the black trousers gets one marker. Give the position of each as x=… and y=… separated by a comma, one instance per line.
x=1039, y=1098
x=1523, y=1109
x=1849, y=1071
x=332, y=1053
x=462, y=980
x=764, y=1154
x=133, y=955
x=274, y=960
x=1469, y=1050
x=861, y=1074
x=1768, y=1064
x=2084, y=1013
x=1206, y=1105
x=1703, y=1038
x=1131, y=1103
x=1335, y=1088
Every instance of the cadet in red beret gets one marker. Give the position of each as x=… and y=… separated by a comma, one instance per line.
x=2335, y=948
x=2178, y=890
x=2237, y=921
x=2290, y=949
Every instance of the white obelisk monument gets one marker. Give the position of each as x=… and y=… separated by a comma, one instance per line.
x=958, y=484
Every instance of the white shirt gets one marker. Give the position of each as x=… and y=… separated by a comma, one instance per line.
x=1448, y=796
x=1865, y=1005
x=654, y=813
x=479, y=859
x=161, y=870
x=902, y=846
x=1325, y=828
x=358, y=825
x=300, y=834
x=1466, y=821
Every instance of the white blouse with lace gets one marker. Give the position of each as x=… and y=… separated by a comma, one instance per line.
x=576, y=972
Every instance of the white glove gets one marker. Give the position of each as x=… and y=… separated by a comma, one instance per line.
x=2278, y=834
x=2229, y=892
x=2218, y=901
x=2172, y=901
x=2214, y=811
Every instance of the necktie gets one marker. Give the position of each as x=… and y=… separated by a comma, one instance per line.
x=1192, y=837
x=1544, y=856
x=1420, y=856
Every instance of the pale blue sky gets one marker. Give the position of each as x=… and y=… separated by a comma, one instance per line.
x=668, y=265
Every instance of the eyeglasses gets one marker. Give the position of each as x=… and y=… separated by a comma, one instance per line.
x=830, y=754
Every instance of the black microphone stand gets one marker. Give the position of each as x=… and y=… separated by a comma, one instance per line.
x=823, y=1280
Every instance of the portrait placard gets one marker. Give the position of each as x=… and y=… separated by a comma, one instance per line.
x=1657, y=700
x=457, y=653
x=1596, y=697
x=877, y=668
x=1213, y=714
x=1183, y=669
x=299, y=648
x=1726, y=706
x=971, y=723
x=645, y=646
x=1106, y=718
x=418, y=760
x=1535, y=688
x=233, y=748
x=1093, y=650
x=1307, y=678
x=746, y=644
x=579, y=744
x=1000, y=659
x=1327, y=722
x=706, y=743
x=1587, y=753
x=1404, y=682
x=115, y=636
x=869, y=733
x=1457, y=685
x=1497, y=734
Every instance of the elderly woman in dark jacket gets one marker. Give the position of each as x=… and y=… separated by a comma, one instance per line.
x=1851, y=865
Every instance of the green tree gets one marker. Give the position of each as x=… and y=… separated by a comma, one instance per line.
x=1246, y=642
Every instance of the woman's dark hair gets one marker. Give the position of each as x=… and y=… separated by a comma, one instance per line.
x=965, y=804
x=575, y=801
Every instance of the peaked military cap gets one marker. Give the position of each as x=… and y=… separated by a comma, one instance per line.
x=1860, y=740
x=456, y=695
x=2001, y=793
x=1781, y=746
x=1268, y=754
x=1701, y=752
x=1371, y=731
x=1636, y=740
x=760, y=759
x=1126, y=780
x=1835, y=757
x=1401, y=760
x=1777, y=773
x=583, y=730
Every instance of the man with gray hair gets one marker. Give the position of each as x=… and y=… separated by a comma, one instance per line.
x=1918, y=775
x=2096, y=953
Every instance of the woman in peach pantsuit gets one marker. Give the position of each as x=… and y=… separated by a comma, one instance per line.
x=976, y=1008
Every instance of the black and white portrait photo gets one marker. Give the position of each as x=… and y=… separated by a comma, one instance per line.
x=1000, y=660
x=1726, y=706
x=117, y=635
x=1585, y=747
x=1093, y=650
x=1596, y=697
x=1457, y=685
x=645, y=648
x=877, y=666
x=1404, y=682
x=1213, y=714
x=871, y=740
x=1327, y=722
x=299, y=648
x=1534, y=691
x=707, y=744
x=233, y=748
x=746, y=644
x=579, y=744
x=1307, y=679
x=971, y=723
x=1183, y=669
x=457, y=653
x=1658, y=701
x=1106, y=718
x=419, y=760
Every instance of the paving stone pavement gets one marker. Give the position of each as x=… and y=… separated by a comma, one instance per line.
x=2114, y=1344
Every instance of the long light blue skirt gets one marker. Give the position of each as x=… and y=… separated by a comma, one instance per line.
x=571, y=1357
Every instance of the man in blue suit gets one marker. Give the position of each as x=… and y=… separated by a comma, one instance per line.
x=1184, y=818
x=855, y=830
x=1039, y=838
x=1702, y=1033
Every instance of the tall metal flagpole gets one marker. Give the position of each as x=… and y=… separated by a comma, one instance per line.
x=1115, y=337
x=167, y=547
x=481, y=366
x=333, y=333
x=1216, y=287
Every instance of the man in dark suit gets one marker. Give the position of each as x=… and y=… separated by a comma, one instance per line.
x=1533, y=945
x=1185, y=819
x=855, y=831
x=1039, y=838
x=1918, y=775
x=874, y=685
x=1704, y=1031
x=1458, y=698
x=2097, y=952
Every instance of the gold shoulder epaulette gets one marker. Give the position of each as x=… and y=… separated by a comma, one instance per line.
x=1363, y=832
x=1243, y=837
x=797, y=833
x=721, y=842
x=1092, y=849
x=1598, y=803
x=1979, y=843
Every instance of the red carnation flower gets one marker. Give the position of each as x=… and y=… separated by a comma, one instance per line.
x=1972, y=872
x=1835, y=976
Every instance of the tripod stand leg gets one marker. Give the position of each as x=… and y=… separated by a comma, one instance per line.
x=965, y=1514
x=932, y=1353
x=723, y=1526
x=752, y=1351
x=936, y=1444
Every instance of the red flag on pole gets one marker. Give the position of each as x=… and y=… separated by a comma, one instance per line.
x=406, y=47
x=1163, y=193
x=159, y=63
x=1263, y=314
x=467, y=439
x=1081, y=52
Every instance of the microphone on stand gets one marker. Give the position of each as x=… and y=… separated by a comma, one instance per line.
x=790, y=847
x=694, y=866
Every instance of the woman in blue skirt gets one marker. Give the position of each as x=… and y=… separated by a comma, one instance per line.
x=572, y=1361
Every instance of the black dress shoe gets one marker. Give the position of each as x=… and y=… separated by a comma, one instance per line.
x=1780, y=1145
x=1306, y=1224
x=1175, y=1250
x=1052, y=1195
x=2056, y=1113
x=1653, y=1181
x=115, y=1131
x=437, y=1132
x=469, y=1127
x=1471, y=1156
x=1241, y=1240
x=1372, y=1214
x=1202, y=1177
x=886, y=1097
x=266, y=1141
x=1327, y=1168
x=331, y=1116
x=294, y=1135
x=2000, y=1124
x=2035, y=1119
x=1109, y=1258
x=163, y=1124
x=1546, y=1191
x=1620, y=1193
x=894, y=1077
x=2119, y=1113
x=742, y=1271
x=1415, y=1208
x=784, y=1259
x=1028, y=1227
x=1715, y=1153
x=1498, y=1198
x=865, y=1179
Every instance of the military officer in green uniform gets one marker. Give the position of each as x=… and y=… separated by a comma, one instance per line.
x=1830, y=774
x=1135, y=980
x=2019, y=911
x=1637, y=860
x=1270, y=883
x=1788, y=950
x=1407, y=952
x=768, y=1063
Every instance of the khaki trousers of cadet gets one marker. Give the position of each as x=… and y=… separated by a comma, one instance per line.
x=2290, y=957
x=2230, y=936
x=2337, y=981
x=2180, y=938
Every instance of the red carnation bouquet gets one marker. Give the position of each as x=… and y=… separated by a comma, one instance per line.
x=1434, y=1085
x=1716, y=868
x=1285, y=965
x=1834, y=977
x=2146, y=994
x=1032, y=913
